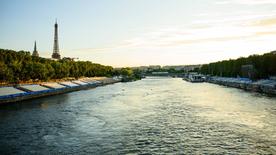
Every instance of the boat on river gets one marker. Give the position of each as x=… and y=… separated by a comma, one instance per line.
x=194, y=77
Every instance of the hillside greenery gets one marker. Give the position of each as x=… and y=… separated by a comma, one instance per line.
x=21, y=66
x=263, y=66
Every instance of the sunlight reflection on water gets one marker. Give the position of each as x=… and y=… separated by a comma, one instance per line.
x=154, y=115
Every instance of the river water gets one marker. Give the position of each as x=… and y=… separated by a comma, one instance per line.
x=153, y=115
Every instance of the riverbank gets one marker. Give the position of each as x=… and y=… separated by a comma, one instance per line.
x=16, y=93
x=266, y=86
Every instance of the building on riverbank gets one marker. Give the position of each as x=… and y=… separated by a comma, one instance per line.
x=248, y=71
x=35, y=52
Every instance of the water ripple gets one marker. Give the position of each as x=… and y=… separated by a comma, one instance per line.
x=152, y=116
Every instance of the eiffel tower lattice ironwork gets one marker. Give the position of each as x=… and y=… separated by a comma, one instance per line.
x=56, y=54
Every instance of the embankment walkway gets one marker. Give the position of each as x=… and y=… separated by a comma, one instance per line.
x=22, y=92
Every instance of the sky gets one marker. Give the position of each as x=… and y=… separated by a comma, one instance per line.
x=141, y=32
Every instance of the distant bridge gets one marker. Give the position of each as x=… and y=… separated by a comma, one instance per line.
x=164, y=74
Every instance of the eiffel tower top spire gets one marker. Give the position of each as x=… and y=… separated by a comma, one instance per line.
x=56, y=54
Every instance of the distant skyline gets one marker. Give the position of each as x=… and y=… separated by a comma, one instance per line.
x=141, y=32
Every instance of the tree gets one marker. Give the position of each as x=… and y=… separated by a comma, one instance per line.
x=126, y=72
x=264, y=66
x=6, y=74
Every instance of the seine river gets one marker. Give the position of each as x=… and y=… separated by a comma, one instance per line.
x=150, y=116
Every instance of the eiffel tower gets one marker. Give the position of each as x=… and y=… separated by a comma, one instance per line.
x=56, y=54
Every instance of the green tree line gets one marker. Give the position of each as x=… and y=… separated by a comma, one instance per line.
x=264, y=66
x=21, y=66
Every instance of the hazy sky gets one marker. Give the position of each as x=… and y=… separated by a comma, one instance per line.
x=141, y=32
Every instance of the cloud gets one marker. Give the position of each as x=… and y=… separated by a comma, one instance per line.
x=264, y=22
x=264, y=33
x=216, y=39
x=125, y=44
x=217, y=31
x=247, y=2
x=188, y=35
